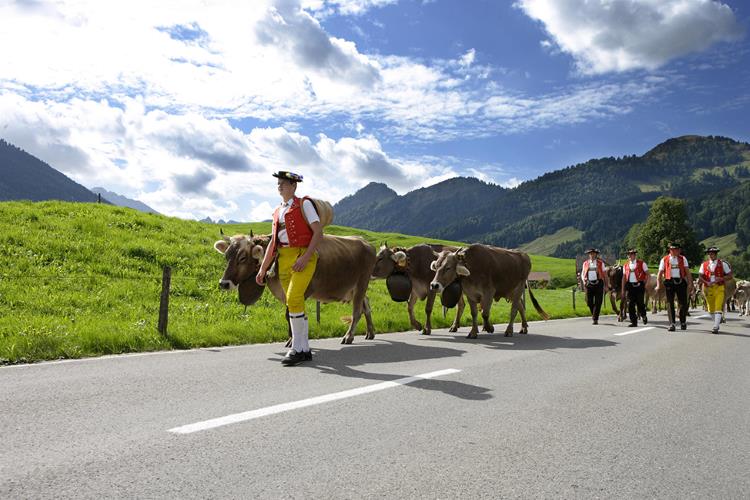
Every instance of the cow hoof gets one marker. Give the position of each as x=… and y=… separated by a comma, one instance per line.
x=417, y=326
x=370, y=336
x=426, y=331
x=472, y=335
x=347, y=340
x=489, y=329
x=508, y=334
x=525, y=330
x=453, y=329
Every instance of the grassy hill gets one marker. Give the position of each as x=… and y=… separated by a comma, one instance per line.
x=547, y=244
x=727, y=244
x=81, y=279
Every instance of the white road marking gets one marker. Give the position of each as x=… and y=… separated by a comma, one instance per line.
x=703, y=316
x=634, y=331
x=295, y=405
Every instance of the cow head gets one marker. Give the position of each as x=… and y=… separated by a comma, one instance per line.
x=244, y=255
x=448, y=267
x=387, y=261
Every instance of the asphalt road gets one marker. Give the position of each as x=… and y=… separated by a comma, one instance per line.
x=571, y=410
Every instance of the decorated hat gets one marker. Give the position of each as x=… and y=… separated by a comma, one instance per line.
x=712, y=250
x=632, y=250
x=592, y=249
x=289, y=176
x=674, y=244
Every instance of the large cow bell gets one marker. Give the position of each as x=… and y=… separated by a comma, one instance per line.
x=451, y=294
x=250, y=292
x=399, y=286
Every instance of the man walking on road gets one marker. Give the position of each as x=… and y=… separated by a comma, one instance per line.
x=595, y=280
x=634, y=279
x=712, y=275
x=674, y=275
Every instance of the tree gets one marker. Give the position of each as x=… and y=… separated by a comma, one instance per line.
x=667, y=222
x=631, y=239
x=743, y=229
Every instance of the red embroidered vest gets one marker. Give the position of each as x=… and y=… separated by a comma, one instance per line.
x=668, y=267
x=599, y=269
x=297, y=229
x=640, y=274
x=718, y=272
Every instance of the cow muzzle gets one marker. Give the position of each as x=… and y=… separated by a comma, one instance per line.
x=437, y=286
x=227, y=285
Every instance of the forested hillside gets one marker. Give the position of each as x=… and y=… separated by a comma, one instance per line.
x=602, y=198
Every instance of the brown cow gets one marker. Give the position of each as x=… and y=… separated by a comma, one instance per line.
x=342, y=274
x=615, y=292
x=415, y=262
x=656, y=297
x=487, y=273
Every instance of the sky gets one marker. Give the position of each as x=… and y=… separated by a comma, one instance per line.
x=191, y=105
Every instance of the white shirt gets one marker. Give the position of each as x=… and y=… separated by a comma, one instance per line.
x=310, y=214
x=592, y=271
x=712, y=268
x=674, y=264
x=631, y=265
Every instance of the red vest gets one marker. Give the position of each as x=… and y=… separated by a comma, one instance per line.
x=640, y=274
x=599, y=269
x=718, y=272
x=297, y=229
x=668, y=267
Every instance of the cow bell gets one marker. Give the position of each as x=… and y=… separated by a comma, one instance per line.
x=250, y=292
x=451, y=294
x=399, y=286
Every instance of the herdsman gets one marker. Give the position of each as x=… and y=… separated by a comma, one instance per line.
x=295, y=237
x=595, y=280
x=712, y=275
x=634, y=279
x=674, y=275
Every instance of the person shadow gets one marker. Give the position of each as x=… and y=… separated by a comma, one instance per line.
x=346, y=362
x=532, y=341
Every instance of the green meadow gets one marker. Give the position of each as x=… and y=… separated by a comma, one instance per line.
x=81, y=280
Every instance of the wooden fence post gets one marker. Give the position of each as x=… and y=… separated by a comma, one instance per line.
x=574, y=298
x=317, y=311
x=166, y=280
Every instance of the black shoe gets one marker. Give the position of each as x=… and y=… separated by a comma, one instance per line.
x=714, y=330
x=645, y=320
x=308, y=355
x=596, y=321
x=293, y=358
x=631, y=325
x=671, y=328
x=683, y=326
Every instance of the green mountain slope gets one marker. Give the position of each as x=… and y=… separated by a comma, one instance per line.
x=81, y=279
x=601, y=197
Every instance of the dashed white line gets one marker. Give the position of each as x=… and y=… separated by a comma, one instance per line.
x=634, y=331
x=295, y=405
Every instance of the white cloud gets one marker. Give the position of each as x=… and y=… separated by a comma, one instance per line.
x=607, y=35
x=344, y=7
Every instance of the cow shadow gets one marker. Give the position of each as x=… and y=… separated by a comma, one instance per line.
x=528, y=342
x=343, y=363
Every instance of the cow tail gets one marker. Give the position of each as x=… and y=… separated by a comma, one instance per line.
x=445, y=311
x=538, y=308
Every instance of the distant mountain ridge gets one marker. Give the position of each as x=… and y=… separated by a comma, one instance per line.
x=602, y=198
x=123, y=201
x=25, y=177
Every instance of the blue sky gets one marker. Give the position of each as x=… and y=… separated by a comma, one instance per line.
x=190, y=106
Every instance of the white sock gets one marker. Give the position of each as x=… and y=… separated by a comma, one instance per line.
x=306, y=337
x=299, y=331
x=717, y=320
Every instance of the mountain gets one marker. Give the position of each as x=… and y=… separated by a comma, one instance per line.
x=122, y=201
x=25, y=177
x=601, y=198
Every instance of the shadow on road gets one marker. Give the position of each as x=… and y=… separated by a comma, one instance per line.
x=340, y=362
x=531, y=341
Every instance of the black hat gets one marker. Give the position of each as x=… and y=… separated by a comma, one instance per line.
x=674, y=244
x=592, y=249
x=289, y=176
x=632, y=250
x=712, y=249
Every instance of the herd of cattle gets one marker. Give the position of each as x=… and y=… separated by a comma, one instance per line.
x=737, y=294
x=347, y=264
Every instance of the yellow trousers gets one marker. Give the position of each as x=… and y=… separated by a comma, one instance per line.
x=714, y=298
x=295, y=283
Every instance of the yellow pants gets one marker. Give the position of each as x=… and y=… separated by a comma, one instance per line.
x=714, y=298
x=295, y=283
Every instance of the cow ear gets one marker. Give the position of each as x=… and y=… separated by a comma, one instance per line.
x=433, y=265
x=257, y=252
x=462, y=270
x=221, y=246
